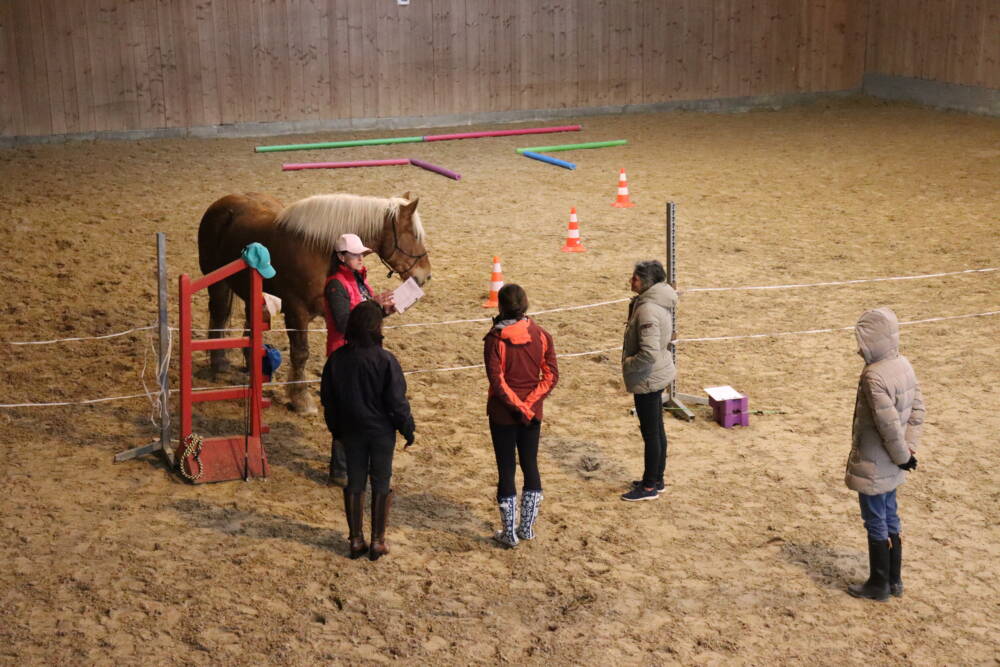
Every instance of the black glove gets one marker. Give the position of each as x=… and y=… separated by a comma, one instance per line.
x=909, y=465
x=535, y=421
x=409, y=438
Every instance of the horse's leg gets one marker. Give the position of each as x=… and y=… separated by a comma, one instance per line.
x=297, y=318
x=220, y=303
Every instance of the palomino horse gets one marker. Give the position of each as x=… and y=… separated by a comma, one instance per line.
x=300, y=239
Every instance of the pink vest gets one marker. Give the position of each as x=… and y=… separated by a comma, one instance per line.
x=335, y=337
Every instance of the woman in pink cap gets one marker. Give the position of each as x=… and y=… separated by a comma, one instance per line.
x=346, y=287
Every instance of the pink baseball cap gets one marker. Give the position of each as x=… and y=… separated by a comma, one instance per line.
x=351, y=243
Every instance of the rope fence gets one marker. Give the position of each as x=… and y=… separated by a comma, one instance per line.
x=550, y=310
x=475, y=366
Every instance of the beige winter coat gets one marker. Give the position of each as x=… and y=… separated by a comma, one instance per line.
x=647, y=363
x=888, y=411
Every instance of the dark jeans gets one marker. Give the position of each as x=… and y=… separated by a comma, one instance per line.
x=649, y=409
x=880, y=515
x=369, y=457
x=513, y=443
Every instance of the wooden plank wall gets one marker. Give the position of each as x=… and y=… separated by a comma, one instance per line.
x=115, y=65
x=953, y=41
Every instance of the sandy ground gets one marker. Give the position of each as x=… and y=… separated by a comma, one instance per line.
x=745, y=557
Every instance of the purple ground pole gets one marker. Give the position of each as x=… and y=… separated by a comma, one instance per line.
x=433, y=167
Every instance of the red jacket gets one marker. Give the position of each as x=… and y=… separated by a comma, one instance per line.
x=521, y=367
x=345, y=276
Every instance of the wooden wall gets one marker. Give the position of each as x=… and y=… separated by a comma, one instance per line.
x=952, y=41
x=80, y=66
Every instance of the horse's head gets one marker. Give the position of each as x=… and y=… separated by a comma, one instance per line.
x=402, y=245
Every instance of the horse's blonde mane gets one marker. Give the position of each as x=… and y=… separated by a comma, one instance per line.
x=321, y=219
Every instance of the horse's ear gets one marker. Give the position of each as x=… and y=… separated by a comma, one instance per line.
x=411, y=205
x=406, y=195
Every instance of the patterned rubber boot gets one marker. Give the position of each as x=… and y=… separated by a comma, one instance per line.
x=508, y=509
x=531, y=501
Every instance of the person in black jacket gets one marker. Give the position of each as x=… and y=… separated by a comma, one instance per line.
x=364, y=400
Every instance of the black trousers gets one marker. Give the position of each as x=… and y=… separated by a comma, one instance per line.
x=649, y=409
x=513, y=443
x=338, y=458
x=369, y=457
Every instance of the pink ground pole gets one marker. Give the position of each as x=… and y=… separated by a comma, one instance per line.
x=433, y=167
x=502, y=133
x=342, y=165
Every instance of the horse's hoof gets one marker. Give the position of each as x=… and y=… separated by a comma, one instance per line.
x=304, y=407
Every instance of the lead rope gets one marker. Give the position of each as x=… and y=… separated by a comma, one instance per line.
x=192, y=448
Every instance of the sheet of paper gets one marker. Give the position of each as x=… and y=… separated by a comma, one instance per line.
x=723, y=393
x=406, y=295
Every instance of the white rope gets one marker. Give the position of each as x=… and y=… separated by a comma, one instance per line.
x=63, y=340
x=542, y=312
x=816, y=331
x=153, y=403
x=459, y=368
x=86, y=402
x=686, y=291
x=839, y=282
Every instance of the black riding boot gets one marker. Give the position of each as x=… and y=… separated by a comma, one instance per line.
x=381, y=504
x=896, y=565
x=877, y=586
x=354, y=505
x=338, y=464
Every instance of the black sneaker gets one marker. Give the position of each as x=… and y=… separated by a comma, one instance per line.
x=659, y=485
x=640, y=493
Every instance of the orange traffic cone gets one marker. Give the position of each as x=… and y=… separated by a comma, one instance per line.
x=496, y=282
x=573, y=234
x=622, y=201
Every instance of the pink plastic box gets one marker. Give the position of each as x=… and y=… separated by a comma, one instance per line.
x=731, y=411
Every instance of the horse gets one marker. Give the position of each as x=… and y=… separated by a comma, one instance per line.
x=300, y=239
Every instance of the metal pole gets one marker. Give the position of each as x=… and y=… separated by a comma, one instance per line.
x=672, y=279
x=163, y=444
x=673, y=400
x=161, y=267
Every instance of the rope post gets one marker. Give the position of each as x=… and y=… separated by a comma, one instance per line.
x=672, y=401
x=161, y=264
x=163, y=444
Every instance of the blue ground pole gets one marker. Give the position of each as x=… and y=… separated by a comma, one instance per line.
x=550, y=160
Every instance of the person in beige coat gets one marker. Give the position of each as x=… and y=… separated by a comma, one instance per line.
x=888, y=414
x=648, y=368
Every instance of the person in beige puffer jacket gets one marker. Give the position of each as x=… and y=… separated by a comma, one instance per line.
x=648, y=368
x=888, y=415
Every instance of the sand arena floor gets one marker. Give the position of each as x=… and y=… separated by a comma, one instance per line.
x=745, y=557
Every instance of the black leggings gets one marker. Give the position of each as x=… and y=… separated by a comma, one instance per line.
x=513, y=443
x=369, y=456
x=649, y=409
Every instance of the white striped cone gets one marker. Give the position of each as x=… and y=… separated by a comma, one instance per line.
x=496, y=282
x=622, y=200
x=573, y=234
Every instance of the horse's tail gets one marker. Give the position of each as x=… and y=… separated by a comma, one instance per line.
x=212, y=233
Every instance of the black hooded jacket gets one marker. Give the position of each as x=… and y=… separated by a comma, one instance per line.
x=364, y=393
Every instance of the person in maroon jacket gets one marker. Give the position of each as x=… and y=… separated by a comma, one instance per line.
x=520, y=361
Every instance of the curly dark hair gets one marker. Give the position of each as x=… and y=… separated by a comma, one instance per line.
x=364, y=324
